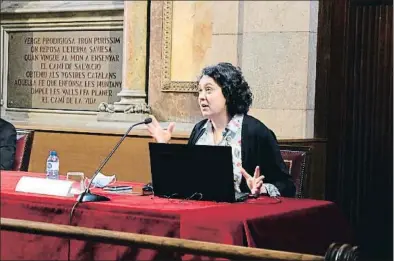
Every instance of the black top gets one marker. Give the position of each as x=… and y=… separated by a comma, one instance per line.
x=259, y=148
x=7, y=145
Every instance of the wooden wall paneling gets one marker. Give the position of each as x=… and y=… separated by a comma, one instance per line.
x=84, y=152
x=323, y=62
x=356, y=80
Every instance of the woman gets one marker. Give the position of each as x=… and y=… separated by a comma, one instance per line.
x=224, y=99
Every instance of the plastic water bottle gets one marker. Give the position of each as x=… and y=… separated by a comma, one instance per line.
x=53, y=165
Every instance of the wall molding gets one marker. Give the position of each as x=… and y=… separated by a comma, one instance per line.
x=19, y=7
x=167, y=84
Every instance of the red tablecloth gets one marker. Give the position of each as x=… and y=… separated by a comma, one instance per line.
x=297, y=225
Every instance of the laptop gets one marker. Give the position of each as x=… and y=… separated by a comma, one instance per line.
x=195, y=172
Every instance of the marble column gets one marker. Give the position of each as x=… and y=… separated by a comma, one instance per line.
x=133, y=93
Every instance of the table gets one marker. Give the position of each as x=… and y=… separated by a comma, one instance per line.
x=296, y=225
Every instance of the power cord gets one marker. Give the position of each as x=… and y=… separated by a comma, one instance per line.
x=195, y=194
x=70, y=224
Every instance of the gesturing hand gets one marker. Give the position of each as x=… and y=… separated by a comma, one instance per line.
x=157, y=132
x=254, y=183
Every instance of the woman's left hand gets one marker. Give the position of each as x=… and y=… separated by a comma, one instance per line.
x=254, y=183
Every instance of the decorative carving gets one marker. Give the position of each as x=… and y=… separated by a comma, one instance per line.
x=132, y=108
x=138, y=108
x=181, y=87
x=167, y=84
x=342, y=252
x=167, y=42
x=106, y=107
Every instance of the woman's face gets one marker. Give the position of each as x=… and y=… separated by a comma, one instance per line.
x=210, y=97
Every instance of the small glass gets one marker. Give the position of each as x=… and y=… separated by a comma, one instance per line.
x=78, y=179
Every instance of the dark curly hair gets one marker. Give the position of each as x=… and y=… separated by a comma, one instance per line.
x=235, y=89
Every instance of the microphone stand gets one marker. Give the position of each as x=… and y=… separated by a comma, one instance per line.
x=87, y=196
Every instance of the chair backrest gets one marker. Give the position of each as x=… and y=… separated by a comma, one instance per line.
x=297, y=159
x=24, y=141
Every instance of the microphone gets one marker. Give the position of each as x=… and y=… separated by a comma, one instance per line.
x=87, y=196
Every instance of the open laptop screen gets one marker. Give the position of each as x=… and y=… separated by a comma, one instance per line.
x=192, y=171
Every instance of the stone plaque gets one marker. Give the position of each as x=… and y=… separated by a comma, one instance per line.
x=64, y=70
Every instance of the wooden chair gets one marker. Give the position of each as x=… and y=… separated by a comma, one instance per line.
x=297, y=159
x=24, y=141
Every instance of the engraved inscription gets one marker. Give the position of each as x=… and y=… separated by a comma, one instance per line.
x=67, y=70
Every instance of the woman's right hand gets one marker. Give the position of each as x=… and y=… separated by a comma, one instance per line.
x=158, y=133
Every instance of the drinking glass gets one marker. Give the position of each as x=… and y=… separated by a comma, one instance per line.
x=78, y=179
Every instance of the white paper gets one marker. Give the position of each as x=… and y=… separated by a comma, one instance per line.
x=101, y=180
x=54, y=187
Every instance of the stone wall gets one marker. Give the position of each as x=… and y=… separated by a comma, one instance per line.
x=274, y=42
